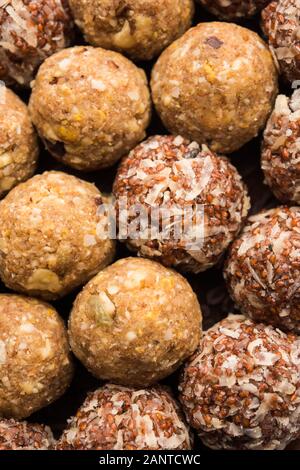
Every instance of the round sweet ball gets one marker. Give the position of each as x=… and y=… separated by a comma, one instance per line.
x=281, y=147
x=120, y=418
x=233, y=9
x=35, y=363
x=280, y=22
x=52, y=235
x=241, y=389
x=263, y=268
x=90, y=106
x=139, y=28
x=18, y=141
x=187, y=184
x=215, y=85
x=135, y=323
x=30, y=31
x=16, y=435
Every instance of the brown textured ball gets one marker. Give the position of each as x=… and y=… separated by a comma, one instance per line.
x=241, y=389
x=18, y=141
x=280, y=22
x=90, y=106
x=215, y=85
x=52, y=236
x=119, y=418
x=138, y=28
x=233, y=9
x=17, y=435
x=281, y=149
x=174, y=175
x=35, y=363
x=135, y=323
x=263, y=268
x=30, y=31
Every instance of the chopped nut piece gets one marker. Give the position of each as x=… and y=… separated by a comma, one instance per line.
x=103, y=308
x=44, y=279
x=5, y=159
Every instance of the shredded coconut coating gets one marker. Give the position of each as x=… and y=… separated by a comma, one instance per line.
x=30, y=31
x=241, y=389
x=135, y=323
x=216, y=85
x=90, y=106
x=119, y=418
x=263, y=268
x=139, y=28
x=167, y=171
x=281, y=149
x=18, y=142
x=15, y=435
x=52, y=236
x=35, y=363
x=233, y=9
x=280, y=22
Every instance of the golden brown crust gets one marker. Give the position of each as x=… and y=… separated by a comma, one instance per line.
x=18, y=141
x=50, y=235
x=93, y=104
x=139, y=28
x=215, y=85
x=35, y=363
x=135, y=322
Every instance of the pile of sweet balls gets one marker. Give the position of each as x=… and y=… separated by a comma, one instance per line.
x=137, y=320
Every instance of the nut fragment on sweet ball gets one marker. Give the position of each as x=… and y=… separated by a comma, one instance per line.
x=233, y=9
x=189, y=185
x=30, y=31
x=52, y=235
x=215, y=85
x=280, y=22
x=18, y=141
x=140, y=29
x=135, y=323
x=263, y=268
x=35, y=363
x=120, y=418
x=17, y=435
x=281, y=149
x=90, y=106
x=241, y=389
